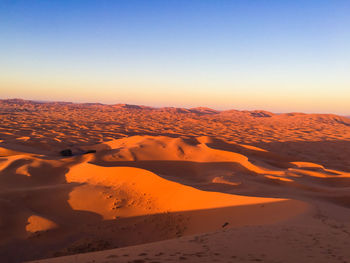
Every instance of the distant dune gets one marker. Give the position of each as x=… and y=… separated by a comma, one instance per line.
x=171, y=184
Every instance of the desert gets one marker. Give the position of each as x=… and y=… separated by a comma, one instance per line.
x=145, y=184
x=174, y=131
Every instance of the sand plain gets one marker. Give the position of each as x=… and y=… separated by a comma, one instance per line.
x=172, y=184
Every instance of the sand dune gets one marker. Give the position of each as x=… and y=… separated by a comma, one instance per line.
x=234, y=186
x=59, y=125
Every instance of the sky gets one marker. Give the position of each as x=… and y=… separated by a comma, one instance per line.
x=281, y=56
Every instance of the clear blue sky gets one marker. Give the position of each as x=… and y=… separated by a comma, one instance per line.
x=274, y=55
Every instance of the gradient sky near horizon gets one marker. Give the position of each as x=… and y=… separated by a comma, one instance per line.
x=280, y=56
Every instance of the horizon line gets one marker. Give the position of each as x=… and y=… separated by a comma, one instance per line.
x=164, y=107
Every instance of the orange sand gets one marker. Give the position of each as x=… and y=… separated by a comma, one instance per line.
x=167, y=185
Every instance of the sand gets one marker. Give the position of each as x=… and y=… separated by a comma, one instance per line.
x=170, y=184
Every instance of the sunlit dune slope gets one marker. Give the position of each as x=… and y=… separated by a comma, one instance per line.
x=145, y=193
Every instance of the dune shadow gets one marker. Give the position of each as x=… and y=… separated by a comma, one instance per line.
x=44, y=192
x=331, y=154
x=122, y=232
x=182, y=171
